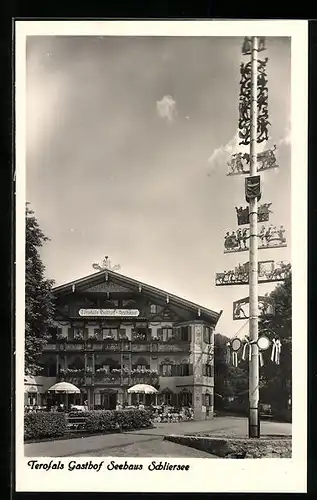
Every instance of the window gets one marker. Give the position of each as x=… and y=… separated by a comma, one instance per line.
x=141, y=367
x=184, y=370
x=207, y=335
x=97, y=399
x=208, y=399
x=110, y=333
x=140, y=333
x=170, y=370
x=153, y=309
x=167, y=333
x=32, y=399
x=79, y=333
x=166, y=370
x=167, y=398
x=184, y=333
x=185, y=398
x=122, y=333
x=208, y=371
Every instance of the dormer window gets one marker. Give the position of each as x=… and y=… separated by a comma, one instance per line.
x=153, y=309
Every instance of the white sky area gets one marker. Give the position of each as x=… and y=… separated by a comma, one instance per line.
x=127, y=147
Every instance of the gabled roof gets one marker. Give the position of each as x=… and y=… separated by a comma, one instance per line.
x=134, y=285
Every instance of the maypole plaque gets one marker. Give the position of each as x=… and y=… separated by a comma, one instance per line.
x=243, y=214
x=241, y=307
x=240, y=162
x=268, y=272
x=269, y=237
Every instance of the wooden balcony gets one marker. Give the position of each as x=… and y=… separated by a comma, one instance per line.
x=119, y=346
x=109, y=379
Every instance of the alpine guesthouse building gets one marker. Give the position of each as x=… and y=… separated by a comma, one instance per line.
x=112, y=332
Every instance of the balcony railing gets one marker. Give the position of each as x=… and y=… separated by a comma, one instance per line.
x=119, y=346
x=101, y=377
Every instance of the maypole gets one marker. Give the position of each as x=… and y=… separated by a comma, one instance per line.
x=254, y=421
x=253, y=129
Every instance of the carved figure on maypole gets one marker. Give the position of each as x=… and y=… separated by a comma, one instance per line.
x=268, y=271
x=245, y=103
x=269, y=237
x=247, y=45
x=240, y=162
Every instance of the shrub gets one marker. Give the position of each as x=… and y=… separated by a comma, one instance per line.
x=100, y=421
x=44, y=425
x=116, y=420
x=53, y=425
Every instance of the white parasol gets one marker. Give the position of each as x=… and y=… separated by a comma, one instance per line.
x=142, y=389
x=64, y=388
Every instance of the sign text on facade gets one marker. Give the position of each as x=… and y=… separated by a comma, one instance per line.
x=109, y=312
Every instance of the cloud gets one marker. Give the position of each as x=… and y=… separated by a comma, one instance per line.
x=220, y=156
x=286, y=140
x=166, y=108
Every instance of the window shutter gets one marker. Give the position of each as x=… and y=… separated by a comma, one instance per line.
x=161, y=370
x=187, y=333
x=190, y=369
x=149, y=333
x=160, y=333
x=206, y=335
x=176, y=332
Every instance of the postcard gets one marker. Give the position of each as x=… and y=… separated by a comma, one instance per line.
x=161, y=214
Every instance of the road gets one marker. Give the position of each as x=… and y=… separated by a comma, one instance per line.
x=149, y=442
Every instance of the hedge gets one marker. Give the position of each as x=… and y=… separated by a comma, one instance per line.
x=116, y=420
x=53, y=425
x=44, y=425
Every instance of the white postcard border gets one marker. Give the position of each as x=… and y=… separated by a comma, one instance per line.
x=267, y=475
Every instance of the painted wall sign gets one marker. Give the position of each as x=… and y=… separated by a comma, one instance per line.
x=109, y=312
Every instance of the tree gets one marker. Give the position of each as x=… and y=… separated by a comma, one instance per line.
x=39, y=306
x=277, y=378
x=230, y=381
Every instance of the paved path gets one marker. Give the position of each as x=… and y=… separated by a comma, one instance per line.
x=149, y=442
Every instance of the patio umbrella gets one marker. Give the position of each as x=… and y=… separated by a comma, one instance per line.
x=64, y=388
x=142, y=389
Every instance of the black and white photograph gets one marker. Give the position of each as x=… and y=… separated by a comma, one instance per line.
x=161, y=256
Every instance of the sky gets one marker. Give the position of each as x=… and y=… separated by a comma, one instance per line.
x=127, y=144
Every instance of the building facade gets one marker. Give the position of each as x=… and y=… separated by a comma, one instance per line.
x=112, y=332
